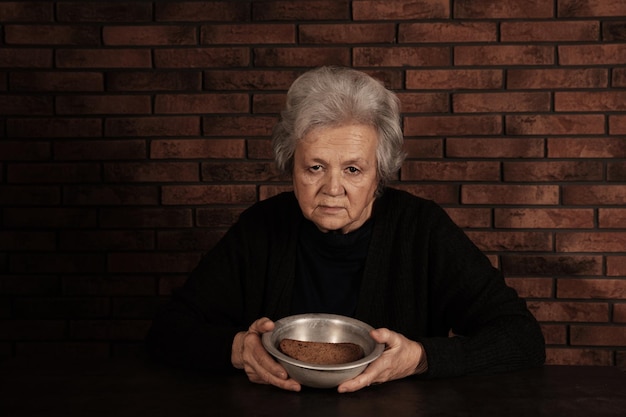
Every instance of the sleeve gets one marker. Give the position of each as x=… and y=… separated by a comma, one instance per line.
x=492, y=329
x=195, y=329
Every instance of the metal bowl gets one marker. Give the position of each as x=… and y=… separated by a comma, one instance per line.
x=317, y=327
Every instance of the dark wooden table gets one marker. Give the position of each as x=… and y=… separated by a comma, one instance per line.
x=139, y=388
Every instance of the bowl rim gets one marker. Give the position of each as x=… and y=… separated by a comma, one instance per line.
x=266, y=339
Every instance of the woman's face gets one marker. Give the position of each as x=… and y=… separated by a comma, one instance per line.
x=335, y=176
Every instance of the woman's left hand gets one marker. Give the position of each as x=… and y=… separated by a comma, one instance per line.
x=402, y=357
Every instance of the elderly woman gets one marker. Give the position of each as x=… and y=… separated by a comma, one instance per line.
x=344, y=242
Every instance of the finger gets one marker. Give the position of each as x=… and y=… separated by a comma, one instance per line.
x=262, y=325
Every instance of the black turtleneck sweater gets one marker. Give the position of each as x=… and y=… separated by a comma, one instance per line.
x=329, y=268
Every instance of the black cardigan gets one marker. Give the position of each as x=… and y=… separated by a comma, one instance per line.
x=423, y=278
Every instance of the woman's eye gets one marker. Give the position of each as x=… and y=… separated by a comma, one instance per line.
x=315, y=168
x=353, y=170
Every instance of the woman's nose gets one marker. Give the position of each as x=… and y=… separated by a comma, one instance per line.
x=333, y=185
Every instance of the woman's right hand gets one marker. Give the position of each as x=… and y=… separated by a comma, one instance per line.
x=249, y=354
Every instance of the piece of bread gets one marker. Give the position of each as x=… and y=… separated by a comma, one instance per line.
x=321, y=353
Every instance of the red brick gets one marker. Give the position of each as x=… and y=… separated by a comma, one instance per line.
x=268, y=103
x=169, y=283
x=208, y=194
x=145, y=217
x=108, y=285
x=31, y=11
x=52, y=35
x=400, y=10
x=591, y=242
x=570, y=311
x=194, y=11
x=532, y=287
x=223, y=217
x=553, y=78
x=60, y=350
x=248, y=34
x=543, y=218
x=595, y=54
x=470, y=217
x=57, y=307
x=617, y=124
x=129, y=172
x=614, y=218
x=616, y=266
x=510, y=194
x=494, y=148
x=550, y=31
x=57, y=81
x=616, y=171
x=598, y=335
x=423, y=148
x=590, y=101
x=50, y=217
x=450, y=171
x=26, y=240
x=591, y=288
x=104, y=104
x=54, y=127
x=151, y=262
x=503, y=9
x=37, y=173
x=25, y=58
x=619, y=77
x=298, y=57
x=401, y=56
x=267, y=191
x=109, y=329
x=11, y=104
x=154, y=81
x=354, y=33
x=197, y=148
x=201, y=103
x=619, y=313
x=29, y=195
x=153, y=126
x=452, y=125
x=242, y=171
x=594, y=194
x=103, y=58
x=201, y=57
x=104, y=11
x=442, y=194
x=500, y=102
x=613, y=31
x=512, y=241
x=551, y=265
x=591, y=8
x=110, y=195
x=301, y=11
x=47, y=263
x=106, y=240
x=554, y=334
x=259, y=149
x=249, y=79
x=238, y=125
x=30, y=285
x=457, y=32
x=501, y=55
x=149, y=35
x=33, y=329
x=587, y=147
x=553, y=171
x=423, y=102
x=188, y=240
x=578, y=357
x=99, y=150
x=454, y=79
x=556, y=124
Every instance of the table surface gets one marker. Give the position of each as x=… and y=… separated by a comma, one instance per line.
x=137, y=387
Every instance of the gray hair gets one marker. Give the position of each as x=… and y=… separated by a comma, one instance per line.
x=332, y=96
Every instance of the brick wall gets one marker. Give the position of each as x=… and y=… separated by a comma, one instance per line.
x=132, y=134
